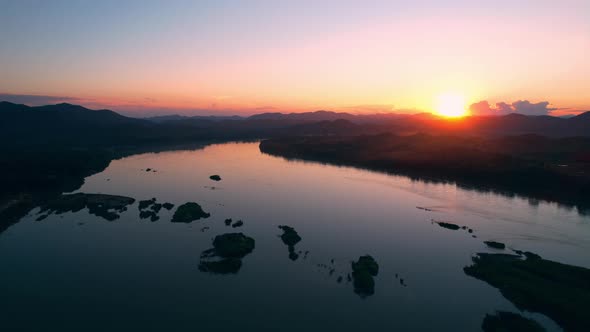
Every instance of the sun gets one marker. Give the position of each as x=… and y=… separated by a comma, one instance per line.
x=450, y=105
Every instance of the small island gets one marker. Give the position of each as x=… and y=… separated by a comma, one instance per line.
x=363, y=271
x=290, y=238
x=228, y=249
x=556, y=290
x=495, y=245
x=105, y=206
x=189, y=212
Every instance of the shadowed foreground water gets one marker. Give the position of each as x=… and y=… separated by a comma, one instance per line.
x=79, y=271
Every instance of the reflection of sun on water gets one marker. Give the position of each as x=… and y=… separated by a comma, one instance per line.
x=451, y=105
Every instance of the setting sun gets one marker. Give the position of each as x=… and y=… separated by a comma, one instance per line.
x=451, y=105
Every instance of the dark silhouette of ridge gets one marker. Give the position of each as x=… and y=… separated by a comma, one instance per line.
x=581, y=117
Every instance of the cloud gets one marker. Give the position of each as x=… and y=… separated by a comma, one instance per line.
x=521, y=106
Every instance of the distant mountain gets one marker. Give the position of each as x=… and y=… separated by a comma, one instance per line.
x=164, y=118
x=317, y=116
x=176, y=117
x=6, y=106
x=74, y=125
x=64, y=124
x=582, y=116
x=60, y=115
x=305, y=116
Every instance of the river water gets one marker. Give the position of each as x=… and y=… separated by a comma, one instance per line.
x=79, y=272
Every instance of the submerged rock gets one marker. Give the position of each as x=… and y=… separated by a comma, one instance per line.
x=495, y=245
x=168, y=206
x=290, y=238
x=101, y=205
x=228, y=221
x=509, y=322
x=189, y=212
x=215, y=177
x=238, y=223
x=363, y=271
x=559, y=291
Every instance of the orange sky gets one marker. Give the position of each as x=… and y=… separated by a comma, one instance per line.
x=223, y=58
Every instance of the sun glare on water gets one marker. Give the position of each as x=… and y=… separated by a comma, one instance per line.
x=451, y=105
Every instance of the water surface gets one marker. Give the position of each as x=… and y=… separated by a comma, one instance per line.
x=76, y=271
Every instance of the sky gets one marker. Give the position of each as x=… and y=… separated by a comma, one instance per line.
x=244, y=57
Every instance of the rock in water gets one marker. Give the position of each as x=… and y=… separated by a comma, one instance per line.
x=495, y=245
x=189, y=212
x=101, y=205
x=290, y=238
x=146, y=203
x=448, y=225
x=363, y=272
x=229, y=249
x=236, y=245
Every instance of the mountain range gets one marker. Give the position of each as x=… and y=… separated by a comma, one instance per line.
x=76, y=125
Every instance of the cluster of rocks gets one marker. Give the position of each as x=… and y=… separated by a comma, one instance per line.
x=150, y=208
x=107, y=207
x=234, y=224
x=290, y=238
